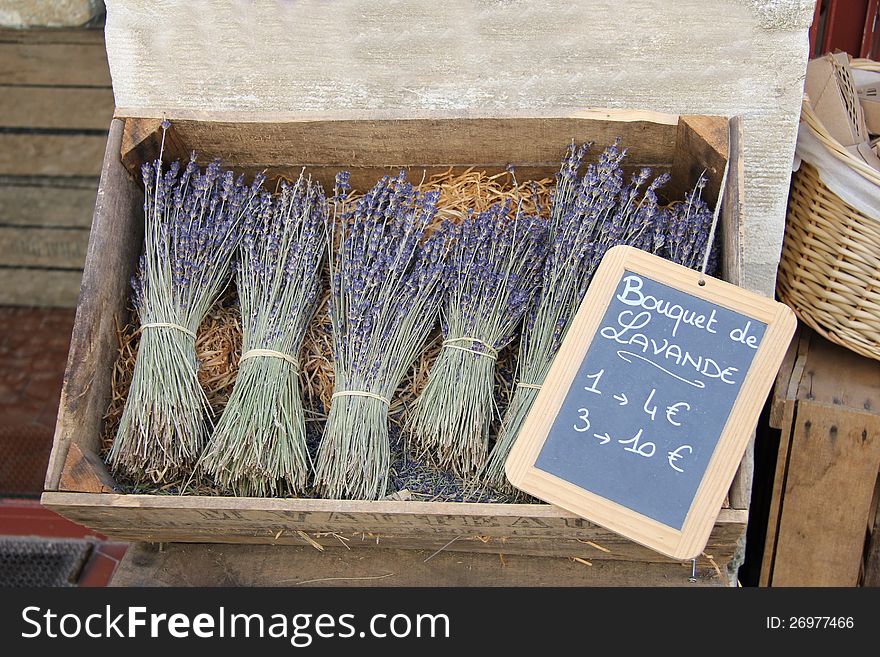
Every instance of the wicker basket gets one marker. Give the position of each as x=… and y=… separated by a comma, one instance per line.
x=830, y=266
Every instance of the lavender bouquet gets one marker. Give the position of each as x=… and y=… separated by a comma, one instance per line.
x=192, y=221
x=384, y=297
x=588, y=215
x=493, y=272
x=259, y=444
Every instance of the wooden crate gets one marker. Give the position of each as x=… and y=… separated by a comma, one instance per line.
x=78, y=486
x=55, y=103
x=827, y=406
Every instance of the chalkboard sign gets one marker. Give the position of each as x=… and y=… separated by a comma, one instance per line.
x=651, y=400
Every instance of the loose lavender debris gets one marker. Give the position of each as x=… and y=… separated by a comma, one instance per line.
x=259, y=444
x=192, y=227
x=493, y=272
x=589, y=214
x=385, y=276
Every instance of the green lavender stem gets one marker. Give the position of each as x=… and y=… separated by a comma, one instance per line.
x=161, y=437
x=455, y=409
x=258, y=447
x=355, y=455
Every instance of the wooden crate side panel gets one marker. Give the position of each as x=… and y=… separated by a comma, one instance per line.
x=509, y=528
x=729, y=233
x=49, y=288
x=115, y=242
x=829, y=483
x=788, y=371
x=434, y=143
x=701, y=147
x=732, y=228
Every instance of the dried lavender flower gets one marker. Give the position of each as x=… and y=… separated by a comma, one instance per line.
x=589, y=214
x=493, y=272
x=687, y=226
x=192, y=227
x=384, y=297
x=259, y=444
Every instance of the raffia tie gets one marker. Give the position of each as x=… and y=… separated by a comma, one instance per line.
x=361, y=393
x=490, y=352
x=270, y=353
x=528, y=386
x=170, y=325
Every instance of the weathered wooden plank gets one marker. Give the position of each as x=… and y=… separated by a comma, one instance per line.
x=181, y=564
x=837, y=376
x=50, y=64
x=34, y=35
x=848, y=387
x=62, y=248
x=732, y=223
x=56, y=107
x=115, y=242
x=701, y=147
x=51, y=155
x=729, y=233
x=512, y=528
x=84, y=471
x=288, y=140
x=829, y=484
x=39, y=287
x=796, y=350
x=47, y=205
x=775, y=511
x=871, y=576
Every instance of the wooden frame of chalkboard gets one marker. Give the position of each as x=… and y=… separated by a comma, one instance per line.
x=681, y=536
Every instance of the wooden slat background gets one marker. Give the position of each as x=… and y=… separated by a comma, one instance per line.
x=827, y=406
x=56, y=103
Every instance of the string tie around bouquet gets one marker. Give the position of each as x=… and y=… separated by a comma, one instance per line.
x=490, y=352
x=270, y=353
x=361, y=393
x=171, y=325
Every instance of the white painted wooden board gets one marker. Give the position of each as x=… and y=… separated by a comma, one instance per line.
x=484, y=57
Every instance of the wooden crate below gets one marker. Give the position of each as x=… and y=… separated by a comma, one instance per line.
x=56, y=103
x=187, y=564
x=827, y=407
